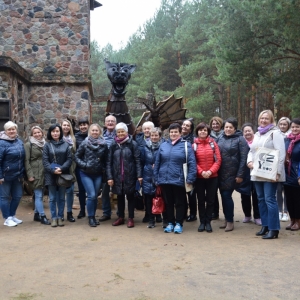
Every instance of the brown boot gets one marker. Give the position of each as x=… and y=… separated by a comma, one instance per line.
x=291, y=224
x=296, y=225
x=223, y=225
x=229, y=226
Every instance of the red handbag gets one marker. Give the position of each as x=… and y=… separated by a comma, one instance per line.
x=158, y=203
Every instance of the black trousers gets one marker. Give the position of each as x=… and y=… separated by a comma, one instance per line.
x=292, y=200
x=191, y=203
x=246, y=204
x=121, y=205
x=206, y=192
x=174, y=197
x=216, y=205
x=148, y=204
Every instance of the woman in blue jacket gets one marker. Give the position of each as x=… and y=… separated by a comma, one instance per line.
x=148, y=156
x=12, y=155
x=168, y=172
x=292, y=169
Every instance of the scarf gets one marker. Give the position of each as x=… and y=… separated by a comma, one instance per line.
x=154, y=146
x=4, y=136
x=39, y=143
x=95, y=143
x=263, y=130
x=294, y=139
x=68, y=140
x=122, y=141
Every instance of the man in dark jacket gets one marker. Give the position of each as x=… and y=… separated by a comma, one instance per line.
x=109, y=135
x=80, y=137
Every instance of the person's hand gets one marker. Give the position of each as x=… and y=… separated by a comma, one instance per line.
x=209, y=173
x=57, y=171
x=31, y=179
x=204, y=174
x=140, y=180
x=299, y=181
x=250, y=165
x=238, y=179
x=1, y=180
x=277, y=177
x=189, y=184
x=110, y=182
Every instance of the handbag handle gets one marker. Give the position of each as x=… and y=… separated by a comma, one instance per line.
x=53, y=153
x=185, y=147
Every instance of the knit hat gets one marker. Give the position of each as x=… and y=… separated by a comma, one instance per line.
x=122, y=125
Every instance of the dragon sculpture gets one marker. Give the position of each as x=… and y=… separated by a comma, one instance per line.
x=119, y=75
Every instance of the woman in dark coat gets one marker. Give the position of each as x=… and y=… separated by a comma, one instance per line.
x=91, y=160
x=56, y=151
x=234, y=150
x=292, y=170
x=35, y=171
x=168, y=173
x=148, y=156
x=123, y=168
x=12, y=157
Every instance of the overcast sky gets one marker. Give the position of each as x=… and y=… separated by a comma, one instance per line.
x=117, y=20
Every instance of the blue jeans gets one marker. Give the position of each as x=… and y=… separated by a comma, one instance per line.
x=92, y=184
x=228, y=204
x=267, y=204
x=106, y=207
x=56, y=201
x=70, y=197
x=10, y=195
x=81, y=190
x=38, y=201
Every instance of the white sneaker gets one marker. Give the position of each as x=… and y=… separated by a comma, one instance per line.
x=280, y=216
x=285, y=217
x=9, y=222
x=16, y=220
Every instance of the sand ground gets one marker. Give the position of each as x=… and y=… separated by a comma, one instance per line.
x=79, y=262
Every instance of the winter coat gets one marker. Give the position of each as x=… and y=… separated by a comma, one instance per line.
x=273, y=139
x=91, y=159
x=34, y=165
x=63, y=158
x=80, y=137
x=129, y=154
x=293, y=175
x=168, y=164
x=189, y=138
x=207, y=158
x=12, y=155
x=234, y=150
x=148, y=156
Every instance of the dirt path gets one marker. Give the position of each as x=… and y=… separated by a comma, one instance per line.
x=79, y=262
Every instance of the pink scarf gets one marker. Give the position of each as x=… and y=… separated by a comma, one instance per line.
x=294, y=139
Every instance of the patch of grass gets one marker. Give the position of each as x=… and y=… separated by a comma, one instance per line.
x=24, y=296
x=94, y=239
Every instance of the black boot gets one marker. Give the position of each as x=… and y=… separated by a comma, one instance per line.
x=96, y=221
x=151, y=223
x=146, y=218
x=44, y=220
x=201, y=228
x=81, y=215
x=37, y=217
x=272, y=234
x=92, y=222
x=70, y=217
x=263, y=231
x=208, y=227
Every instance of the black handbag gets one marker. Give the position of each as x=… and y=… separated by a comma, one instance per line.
x=138, y=201
x=64, y=180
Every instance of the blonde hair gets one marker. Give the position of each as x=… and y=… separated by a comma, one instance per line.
x=36, y=127
x=269, y=113
x=10, y=124
x=156, y=129
x=71, y=132
x=97, y=125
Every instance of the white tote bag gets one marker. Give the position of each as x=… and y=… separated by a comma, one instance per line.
x=266, y=163
x=188, y=187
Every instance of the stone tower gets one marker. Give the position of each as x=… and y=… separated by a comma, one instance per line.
x=44, y=61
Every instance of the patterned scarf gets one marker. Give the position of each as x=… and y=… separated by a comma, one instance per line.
x=294, y=139
x=40, y=143
x=68, y=140
x=95, y=143
x=122, y=141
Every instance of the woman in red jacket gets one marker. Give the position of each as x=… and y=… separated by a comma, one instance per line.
x=208, y=160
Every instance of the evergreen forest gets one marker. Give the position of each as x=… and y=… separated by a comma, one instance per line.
x=225, y=57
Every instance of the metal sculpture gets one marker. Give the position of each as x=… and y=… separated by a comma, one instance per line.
x=119, y=75
x=164, y=113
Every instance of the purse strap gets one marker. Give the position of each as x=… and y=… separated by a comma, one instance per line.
x=53, y=153
x=185, y=146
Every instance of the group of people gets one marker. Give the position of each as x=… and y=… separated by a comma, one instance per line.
x=218, y=156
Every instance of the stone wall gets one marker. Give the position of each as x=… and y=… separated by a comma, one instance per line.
x=46, y=36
